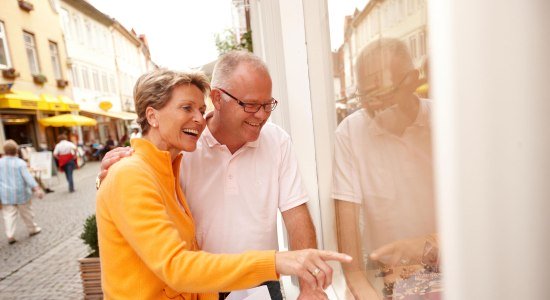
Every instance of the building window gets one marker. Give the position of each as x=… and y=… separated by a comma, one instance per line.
x=76, y=78
x=422, y=43
x=54, y=55
x=4, y=52
x=66, y=23
x=104, y=82
x=412, y=46
x=411, y=6
x=85, y=78
x=88, y=28
x=112, y=85
x=95, y=78
x=77, y=28
x=30, y=48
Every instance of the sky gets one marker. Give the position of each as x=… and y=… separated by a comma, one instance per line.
x=180, y=33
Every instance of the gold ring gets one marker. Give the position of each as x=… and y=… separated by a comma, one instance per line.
x=316, y=272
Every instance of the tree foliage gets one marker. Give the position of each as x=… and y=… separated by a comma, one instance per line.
x=227, y=41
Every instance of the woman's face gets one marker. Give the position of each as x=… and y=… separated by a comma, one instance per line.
x=181, y=120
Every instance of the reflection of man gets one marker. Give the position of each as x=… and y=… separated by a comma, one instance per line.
x=383, y=160
x=244, y=170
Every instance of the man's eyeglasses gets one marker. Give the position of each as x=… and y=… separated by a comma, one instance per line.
x=253, y=107
x=380, y=94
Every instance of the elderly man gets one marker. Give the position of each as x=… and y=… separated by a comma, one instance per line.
x=244, y=170
x=383, y=165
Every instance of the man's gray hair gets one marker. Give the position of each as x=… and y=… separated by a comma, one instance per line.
x=229, y=62
x=374, y=62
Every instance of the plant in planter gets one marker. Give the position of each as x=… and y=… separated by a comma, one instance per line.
x=10, y=73
x=25, y=5
x=39, y=78
x=90, y=268
x=62, y=83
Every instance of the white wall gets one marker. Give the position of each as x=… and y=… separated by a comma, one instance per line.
x=492, y=136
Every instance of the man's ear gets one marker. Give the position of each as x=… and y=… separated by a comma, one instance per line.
x=216, y=97
x=412, y=81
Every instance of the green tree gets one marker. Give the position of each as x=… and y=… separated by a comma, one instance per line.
x=227, y=41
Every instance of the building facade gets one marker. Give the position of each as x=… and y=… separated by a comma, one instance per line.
x=35, y=81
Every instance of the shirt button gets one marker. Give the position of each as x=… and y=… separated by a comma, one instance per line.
x=230, y=176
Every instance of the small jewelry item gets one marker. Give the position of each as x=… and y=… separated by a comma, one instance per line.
x=316, y=272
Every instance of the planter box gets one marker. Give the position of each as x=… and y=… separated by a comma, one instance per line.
x=10, y=73
x=25, y=5
x=90, y=272
x=61, y=83
x=39, y=79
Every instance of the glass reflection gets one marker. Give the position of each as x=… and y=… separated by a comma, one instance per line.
x=382, y=171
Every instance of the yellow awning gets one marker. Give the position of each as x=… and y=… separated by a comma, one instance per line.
x=122, y=115
x=68, y=120
x=53, y=103
x=69, y=102
x=22, y=100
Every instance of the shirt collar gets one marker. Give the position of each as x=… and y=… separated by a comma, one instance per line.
x=211, y=141
x=422, y=118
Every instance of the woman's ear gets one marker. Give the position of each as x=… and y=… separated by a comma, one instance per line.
x=152, y=117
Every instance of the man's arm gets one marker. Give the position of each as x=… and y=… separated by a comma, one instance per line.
x=110, y=159
x=301, y=235
x=347, y=222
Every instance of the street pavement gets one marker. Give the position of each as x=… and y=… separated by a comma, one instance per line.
x=45, y=266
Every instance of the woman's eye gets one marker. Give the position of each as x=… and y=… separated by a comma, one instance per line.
x=187, y=108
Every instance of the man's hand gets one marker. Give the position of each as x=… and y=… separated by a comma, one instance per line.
x=111, y=158
x=38, y=192
x=402, y=252
x=307, y=293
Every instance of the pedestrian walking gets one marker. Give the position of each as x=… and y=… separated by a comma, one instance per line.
x=16, y=189
x=65, y=153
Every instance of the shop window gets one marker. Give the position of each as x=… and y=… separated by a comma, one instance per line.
x=32, y=56
x=4, y=50
x=382, y=162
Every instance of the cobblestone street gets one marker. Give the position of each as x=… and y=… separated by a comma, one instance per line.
x=45, y=266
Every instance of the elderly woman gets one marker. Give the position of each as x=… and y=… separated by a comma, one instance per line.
x=16, y=184
x=147, y=239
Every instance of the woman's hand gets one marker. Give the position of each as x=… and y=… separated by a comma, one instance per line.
x=111, y=158
x=310, y=265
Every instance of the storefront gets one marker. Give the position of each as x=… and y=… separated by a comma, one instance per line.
x=20, y=112
x=490, y=130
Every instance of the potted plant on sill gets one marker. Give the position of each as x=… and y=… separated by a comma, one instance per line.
x=25, y=5
x=62, y=83
x=10, y=73
x=39, y=78
x=90, y=268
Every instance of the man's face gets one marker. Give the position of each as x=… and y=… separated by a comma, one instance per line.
x=385, y=82
x=249, y=85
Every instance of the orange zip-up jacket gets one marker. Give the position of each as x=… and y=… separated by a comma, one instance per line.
x=147, y=237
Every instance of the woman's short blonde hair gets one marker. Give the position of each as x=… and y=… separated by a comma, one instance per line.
x=154, y=89
x=10, y=147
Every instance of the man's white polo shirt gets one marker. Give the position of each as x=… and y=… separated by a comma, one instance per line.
x=234, y=198
x=391, y=176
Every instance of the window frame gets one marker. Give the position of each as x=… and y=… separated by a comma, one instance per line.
x=32, y=46
x=55, y=60
x=4, y=44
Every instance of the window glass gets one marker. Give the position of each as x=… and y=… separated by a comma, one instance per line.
x=85, y=78
x=76, y=77
x=4, y=52
x=383, y=186
x=30, y=49
x=54, y=56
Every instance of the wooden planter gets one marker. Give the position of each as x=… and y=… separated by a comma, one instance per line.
x=90, y=272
